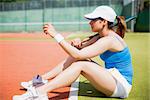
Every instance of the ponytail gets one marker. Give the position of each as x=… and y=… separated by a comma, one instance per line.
x=121, y=26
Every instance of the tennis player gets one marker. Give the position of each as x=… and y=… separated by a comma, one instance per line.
x=113, y=80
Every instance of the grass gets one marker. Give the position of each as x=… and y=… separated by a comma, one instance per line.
x=139, y=45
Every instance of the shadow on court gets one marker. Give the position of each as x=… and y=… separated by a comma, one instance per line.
x=86, y=89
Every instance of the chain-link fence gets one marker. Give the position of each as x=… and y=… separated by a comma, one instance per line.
x=40, y=4
x=66, y=15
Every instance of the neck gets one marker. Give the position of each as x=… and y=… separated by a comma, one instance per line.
x=104, y=32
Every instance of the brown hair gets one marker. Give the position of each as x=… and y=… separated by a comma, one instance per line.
x=121, y=26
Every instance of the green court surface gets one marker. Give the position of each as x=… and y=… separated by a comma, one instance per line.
x=139, y=45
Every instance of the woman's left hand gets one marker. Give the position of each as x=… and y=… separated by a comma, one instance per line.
x=49, y=29
x=76, y=43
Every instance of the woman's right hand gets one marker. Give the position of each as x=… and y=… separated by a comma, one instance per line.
x=49, y=29
x=76, y=43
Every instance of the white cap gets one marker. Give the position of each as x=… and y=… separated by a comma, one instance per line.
x=104, y=12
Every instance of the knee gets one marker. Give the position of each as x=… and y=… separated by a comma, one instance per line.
x=78, y=64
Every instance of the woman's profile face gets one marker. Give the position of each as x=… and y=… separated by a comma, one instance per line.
x=96, y=25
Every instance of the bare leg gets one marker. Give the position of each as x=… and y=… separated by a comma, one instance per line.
x=98, y=76
x=59, y=68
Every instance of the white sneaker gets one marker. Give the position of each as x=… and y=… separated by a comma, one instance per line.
x=27, y=85
x=42, y=97
x=26, y=96
x=31, y=94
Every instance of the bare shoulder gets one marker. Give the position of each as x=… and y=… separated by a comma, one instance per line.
x=117, y=43
x=105, y=42
x=106, y=39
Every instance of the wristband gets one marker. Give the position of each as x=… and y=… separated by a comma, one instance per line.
x=58, y=38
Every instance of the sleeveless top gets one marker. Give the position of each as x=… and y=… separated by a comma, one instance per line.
x=120, y=60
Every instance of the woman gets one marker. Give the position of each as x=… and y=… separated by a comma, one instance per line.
x=115, y=80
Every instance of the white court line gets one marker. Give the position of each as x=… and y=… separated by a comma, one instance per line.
x=73, y=95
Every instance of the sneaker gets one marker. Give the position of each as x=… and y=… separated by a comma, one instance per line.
x=31, y=94
x=42, y=97
x=27, y=85
x=26, y=96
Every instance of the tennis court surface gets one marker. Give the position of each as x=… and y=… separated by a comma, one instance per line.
x=23, y=56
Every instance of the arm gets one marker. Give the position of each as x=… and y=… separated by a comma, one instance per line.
x=93, y=50
x=100, y=46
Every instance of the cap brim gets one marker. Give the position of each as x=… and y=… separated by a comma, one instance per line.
x=90, y=16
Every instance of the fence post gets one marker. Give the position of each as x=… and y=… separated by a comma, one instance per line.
x=52, y=2
x=79, y=16
x=25, y=17
x=132, y=14
x=109, y=2
x=43, y=12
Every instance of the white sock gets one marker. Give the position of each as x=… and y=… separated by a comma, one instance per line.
x=44, y=81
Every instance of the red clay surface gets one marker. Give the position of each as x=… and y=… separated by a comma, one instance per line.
x=21, y=60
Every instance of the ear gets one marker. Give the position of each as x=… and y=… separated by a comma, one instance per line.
x=105, y=22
